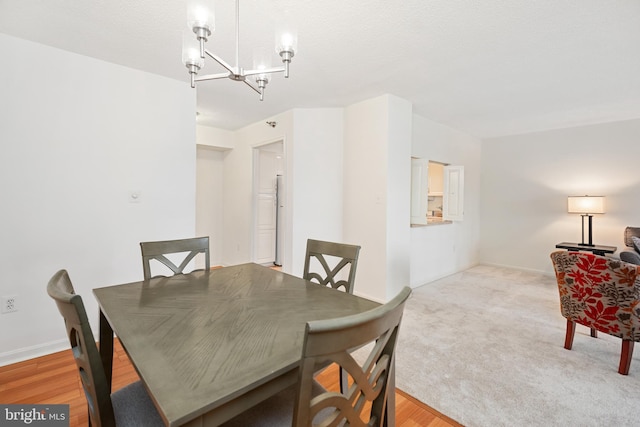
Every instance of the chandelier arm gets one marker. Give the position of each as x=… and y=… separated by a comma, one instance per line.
x=212, y=77
x=252, y=86
x=265, y=71
x=220, y=61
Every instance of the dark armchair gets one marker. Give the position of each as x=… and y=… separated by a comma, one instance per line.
x=632, y=255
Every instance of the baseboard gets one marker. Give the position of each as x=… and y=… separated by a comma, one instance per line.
x=446, y=274
x=27, y=353
x=515, y=267
x=489, y=264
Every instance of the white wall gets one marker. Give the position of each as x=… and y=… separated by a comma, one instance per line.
x=526, y=180
x=209, y=191
x=220, y=139
x=78, y=136
x=316, y=180
x=444, y=249
x=398, y=237
x=363, y=200
x=313, y=177
x=212, y=143
x=237, y=203
x=377, y=184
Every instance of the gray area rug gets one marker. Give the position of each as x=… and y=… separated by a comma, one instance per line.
x=485, y=347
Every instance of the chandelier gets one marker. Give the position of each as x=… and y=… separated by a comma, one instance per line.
x=201, y=23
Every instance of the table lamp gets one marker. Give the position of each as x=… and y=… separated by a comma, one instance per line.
x=586, y=206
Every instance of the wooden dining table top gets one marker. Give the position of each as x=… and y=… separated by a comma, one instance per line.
x=209, y=345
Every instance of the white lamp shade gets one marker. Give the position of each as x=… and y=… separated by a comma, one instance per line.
x=286, y=40
x=191, y=50
x=585, y=204
x=199, y=15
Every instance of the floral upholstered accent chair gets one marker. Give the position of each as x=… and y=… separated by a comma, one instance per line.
x=601, y=293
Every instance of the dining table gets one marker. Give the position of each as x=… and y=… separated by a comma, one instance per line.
x=210, y=344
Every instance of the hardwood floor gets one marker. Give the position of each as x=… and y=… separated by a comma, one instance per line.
x=54, y=379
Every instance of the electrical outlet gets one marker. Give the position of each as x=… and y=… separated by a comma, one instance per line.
x=9, y=304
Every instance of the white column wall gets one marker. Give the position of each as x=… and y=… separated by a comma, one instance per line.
x=77, y=138
x=377, y=143
x=365, y=192
x=444, y=249
x=399, y=196
x=526, y=180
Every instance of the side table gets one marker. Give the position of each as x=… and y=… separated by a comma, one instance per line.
x=596, y=249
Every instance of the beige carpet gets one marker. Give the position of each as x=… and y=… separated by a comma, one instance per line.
x=485, y=347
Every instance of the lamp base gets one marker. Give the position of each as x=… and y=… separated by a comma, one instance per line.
x=590, y=242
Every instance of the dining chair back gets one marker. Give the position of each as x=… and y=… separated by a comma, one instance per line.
x=326, y=262
x=130, y=405
x=601, y=293
x=160, y=249
x=371, y=369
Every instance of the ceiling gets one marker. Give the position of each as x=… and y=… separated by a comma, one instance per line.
x=486, y=67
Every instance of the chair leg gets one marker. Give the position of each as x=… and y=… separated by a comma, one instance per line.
x=594, y=333
x=625, y=357
x=571, y=331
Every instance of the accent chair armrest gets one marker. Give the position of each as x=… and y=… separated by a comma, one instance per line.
x=630, y=256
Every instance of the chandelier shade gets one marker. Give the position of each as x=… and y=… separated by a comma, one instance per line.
x=191, y=50
x=200, y=16
x=201, y=25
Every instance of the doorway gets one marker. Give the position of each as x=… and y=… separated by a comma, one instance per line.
x=269, y=203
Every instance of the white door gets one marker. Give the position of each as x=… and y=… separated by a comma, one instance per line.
x=268, y=164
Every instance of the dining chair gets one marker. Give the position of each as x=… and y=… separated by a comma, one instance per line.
x=601, y=293
x=325, y=262
x=129, y=406
x=159, y=249
x=307, y=403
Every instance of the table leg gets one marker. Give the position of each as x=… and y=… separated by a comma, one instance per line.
x=106, y=348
